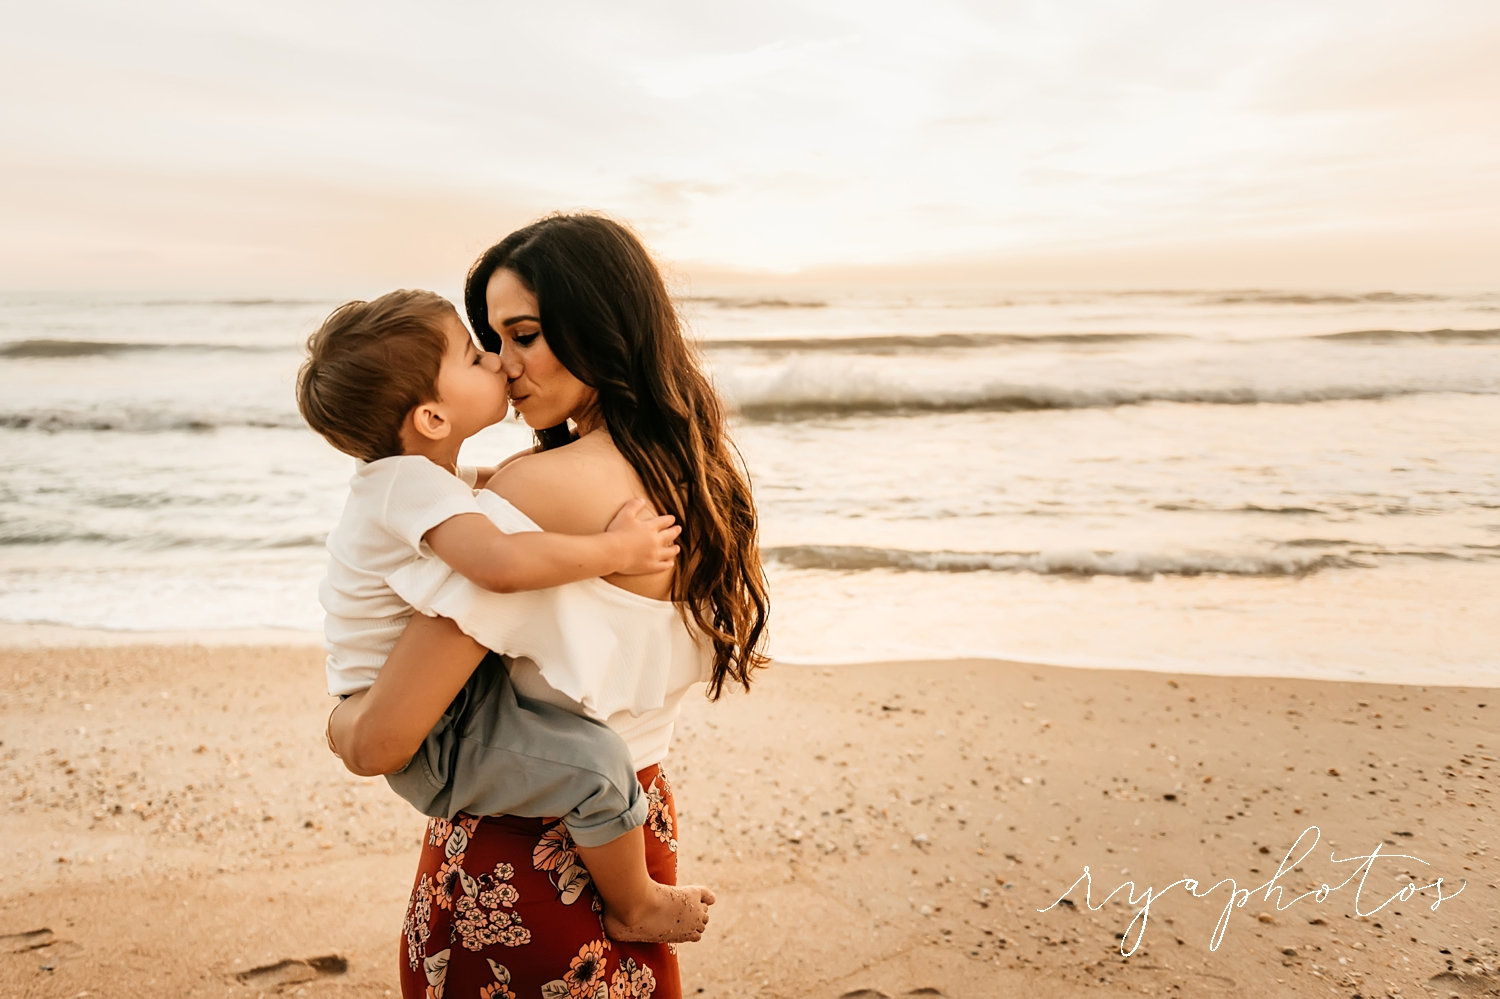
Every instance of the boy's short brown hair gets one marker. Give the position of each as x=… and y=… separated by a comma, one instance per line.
x=370, y=364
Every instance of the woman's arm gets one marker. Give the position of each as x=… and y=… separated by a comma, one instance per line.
x=377, y=731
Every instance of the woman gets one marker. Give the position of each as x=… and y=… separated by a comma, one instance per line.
x=586, y=333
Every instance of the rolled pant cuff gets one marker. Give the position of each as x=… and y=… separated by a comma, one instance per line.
x=593, y=832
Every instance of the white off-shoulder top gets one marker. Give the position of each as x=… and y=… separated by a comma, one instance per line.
x=590, y=646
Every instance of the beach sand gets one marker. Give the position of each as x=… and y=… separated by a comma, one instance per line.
x=173, y=823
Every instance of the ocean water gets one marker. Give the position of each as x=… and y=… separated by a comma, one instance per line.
x=1249, y=482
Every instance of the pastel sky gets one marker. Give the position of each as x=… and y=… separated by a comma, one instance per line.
x=279, y=146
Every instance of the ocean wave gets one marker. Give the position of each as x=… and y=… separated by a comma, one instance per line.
x=1319, y=543
x=1413, y=336
x=18, y=534
x=42, y=534
x=1197, y=507
x=754, y=302
x=1140, y=565
x=141, y=421
x=1258, y=297
x=1192, y=296
x=797, y=393
x=239, y=303
x=879, y=344
x=927, y=341
x=45, y=348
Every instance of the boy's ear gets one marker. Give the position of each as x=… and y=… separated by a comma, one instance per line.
x=428, y=420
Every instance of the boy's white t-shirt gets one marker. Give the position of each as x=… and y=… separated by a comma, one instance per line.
x=392, y=503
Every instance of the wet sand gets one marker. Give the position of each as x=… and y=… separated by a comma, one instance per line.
x=173, y=823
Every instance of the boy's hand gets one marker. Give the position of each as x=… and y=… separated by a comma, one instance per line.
x=646, y=542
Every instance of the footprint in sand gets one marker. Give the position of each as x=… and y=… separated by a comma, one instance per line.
x=1456, y=983
x=15, y=943
x=292, y=971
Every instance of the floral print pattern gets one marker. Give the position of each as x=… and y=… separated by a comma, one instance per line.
x=557, y=854
x=661, y=820
x=584, y=978
x=631, y=981
x=494, y=913
x=500, y=987
x=416, y=929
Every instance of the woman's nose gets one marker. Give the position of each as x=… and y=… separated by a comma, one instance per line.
x=510, y=364
x=490, y=361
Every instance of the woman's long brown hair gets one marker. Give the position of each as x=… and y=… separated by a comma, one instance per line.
x=606, y=314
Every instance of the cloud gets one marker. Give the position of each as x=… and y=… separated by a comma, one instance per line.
x=778, y=136
x=107, y=229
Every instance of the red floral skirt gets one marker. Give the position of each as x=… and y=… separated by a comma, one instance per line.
x=502, y=908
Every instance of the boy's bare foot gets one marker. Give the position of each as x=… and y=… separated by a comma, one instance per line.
x=668, y=914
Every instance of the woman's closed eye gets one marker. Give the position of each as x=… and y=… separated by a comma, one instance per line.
x=525, y=339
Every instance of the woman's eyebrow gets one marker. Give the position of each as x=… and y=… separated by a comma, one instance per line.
x=520, y=319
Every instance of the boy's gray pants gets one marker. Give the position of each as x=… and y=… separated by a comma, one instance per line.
x=495, y=752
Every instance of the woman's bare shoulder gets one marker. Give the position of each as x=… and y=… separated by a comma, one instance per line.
x=576, y=489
